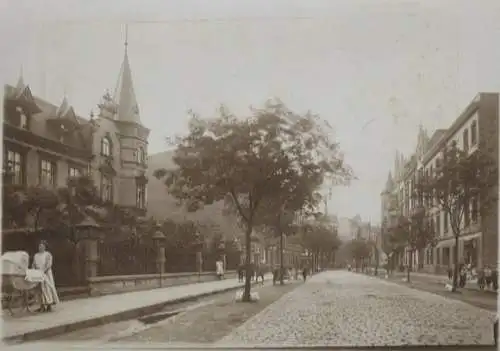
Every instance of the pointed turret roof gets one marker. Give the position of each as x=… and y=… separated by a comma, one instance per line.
x=22, y=92
x=63, y=108
x=124, y=97
x=20, y=82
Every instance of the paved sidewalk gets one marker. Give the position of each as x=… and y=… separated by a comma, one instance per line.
x=82, y=313
x=442, y=279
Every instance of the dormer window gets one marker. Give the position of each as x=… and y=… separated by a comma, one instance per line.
x=23, y=119
x=106, y=146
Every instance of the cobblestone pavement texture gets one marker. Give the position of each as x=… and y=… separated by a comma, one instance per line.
x=340, y=308
x=486, y=300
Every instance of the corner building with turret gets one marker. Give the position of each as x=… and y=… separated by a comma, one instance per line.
x=120, y=145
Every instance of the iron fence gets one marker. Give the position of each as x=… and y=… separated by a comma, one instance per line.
x=127, y=257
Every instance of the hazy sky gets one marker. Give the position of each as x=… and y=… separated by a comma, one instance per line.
x=363, y=65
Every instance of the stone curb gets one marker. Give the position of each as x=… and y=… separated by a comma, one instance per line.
x=111, y=318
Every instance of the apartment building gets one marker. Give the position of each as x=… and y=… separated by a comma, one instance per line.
x=475, y=129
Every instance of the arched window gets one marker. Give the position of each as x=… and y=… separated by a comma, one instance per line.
x=106, y=146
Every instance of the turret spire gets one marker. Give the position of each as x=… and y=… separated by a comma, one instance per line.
x=124, y=97
x=20, y=82
x=126, y=38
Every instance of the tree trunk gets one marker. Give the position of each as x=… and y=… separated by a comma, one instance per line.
x=410, y=261
x=248, y=251
x=455, y=269
x=282, y=270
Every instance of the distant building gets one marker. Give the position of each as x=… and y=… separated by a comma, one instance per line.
x=475, y=129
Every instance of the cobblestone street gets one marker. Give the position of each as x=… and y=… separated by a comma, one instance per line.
x=341, y=308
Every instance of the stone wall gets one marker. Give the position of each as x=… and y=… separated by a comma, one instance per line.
x=126, y=283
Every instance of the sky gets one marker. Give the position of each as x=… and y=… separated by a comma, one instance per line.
x=374, y=69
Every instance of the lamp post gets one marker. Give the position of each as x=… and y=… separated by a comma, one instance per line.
x=159, y=240
x=198, y=243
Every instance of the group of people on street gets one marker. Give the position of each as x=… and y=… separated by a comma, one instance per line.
x=486, y=277
x=257, y=272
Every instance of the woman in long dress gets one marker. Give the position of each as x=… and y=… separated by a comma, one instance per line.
x=43, y=262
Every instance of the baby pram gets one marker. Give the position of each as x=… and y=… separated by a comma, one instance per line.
x=19, y=283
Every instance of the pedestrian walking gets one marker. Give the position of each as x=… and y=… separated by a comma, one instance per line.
x=304, y=274
x=260, y=274
x=241, y=273
x=219, y=267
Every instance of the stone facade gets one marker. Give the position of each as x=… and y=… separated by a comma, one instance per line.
x=46, y=143
x=475, y=129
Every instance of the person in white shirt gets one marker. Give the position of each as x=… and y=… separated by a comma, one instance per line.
x=42, y=261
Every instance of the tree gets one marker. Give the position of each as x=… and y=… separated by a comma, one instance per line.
x=461, y=180
x=250, y=161
x=13, y=199
x=392, y=244
x=41, y=207
x=320, y=237
x=359, y=249
x=415, y=233
x=77, y=200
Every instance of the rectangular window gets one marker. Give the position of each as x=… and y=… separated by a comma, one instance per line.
x=74, y=172
x=445, y=222
x=106, y=188
x=14, y=167
x=466, y=139
x=473, y=133
x=437, y=227
x=474, y=209
x=466, y=214
x=140, y=196
x=47, y=173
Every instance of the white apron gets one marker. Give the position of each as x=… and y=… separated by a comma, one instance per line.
x=219, y=267
x=43, y=262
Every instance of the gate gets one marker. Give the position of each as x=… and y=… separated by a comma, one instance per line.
x=127, y=257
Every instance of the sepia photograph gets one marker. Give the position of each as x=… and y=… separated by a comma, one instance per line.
x=250, y=174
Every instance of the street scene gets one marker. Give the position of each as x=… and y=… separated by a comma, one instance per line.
x=260, y=176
